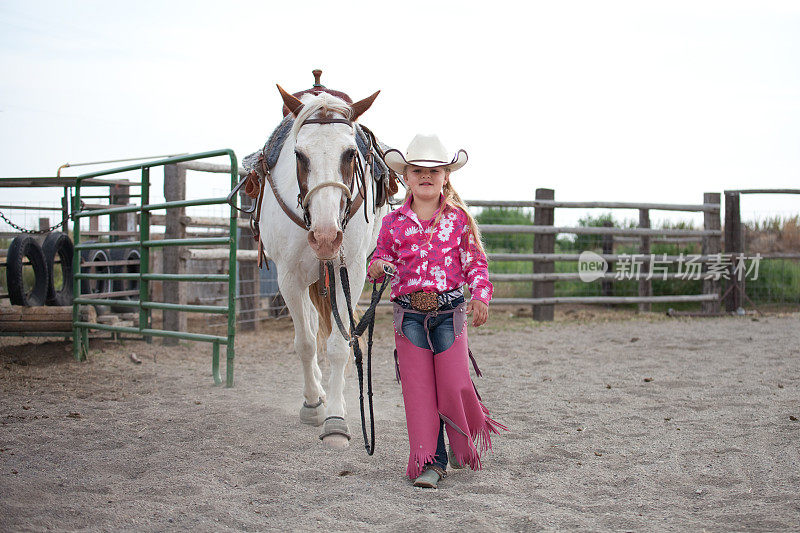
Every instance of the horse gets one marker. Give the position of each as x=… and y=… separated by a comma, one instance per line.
x=319, y=164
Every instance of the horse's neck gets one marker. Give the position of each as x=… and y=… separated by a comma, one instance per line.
x=285, y=173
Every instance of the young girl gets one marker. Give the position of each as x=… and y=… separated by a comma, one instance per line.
x=433, y=245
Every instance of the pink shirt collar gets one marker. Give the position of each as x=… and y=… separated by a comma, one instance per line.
x=406, y=210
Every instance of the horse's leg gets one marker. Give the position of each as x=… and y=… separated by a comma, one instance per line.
x=305, y=344
x=336, y=431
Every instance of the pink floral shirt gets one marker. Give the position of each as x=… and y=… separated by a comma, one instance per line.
x=447, y=262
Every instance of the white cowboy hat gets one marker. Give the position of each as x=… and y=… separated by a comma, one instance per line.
x=424, y=151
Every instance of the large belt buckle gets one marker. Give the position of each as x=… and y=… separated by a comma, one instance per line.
x=424, y=301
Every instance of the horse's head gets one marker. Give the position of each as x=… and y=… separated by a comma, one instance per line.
x=326, y=153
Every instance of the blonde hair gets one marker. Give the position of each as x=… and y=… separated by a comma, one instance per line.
x=453, y=200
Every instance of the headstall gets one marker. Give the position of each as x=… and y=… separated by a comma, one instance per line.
x=254, y=185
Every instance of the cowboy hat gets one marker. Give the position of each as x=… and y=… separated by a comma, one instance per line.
x=424, y=151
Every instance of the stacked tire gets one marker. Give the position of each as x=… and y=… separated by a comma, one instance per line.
x=125, y=254
x=42, y=259
x=26, y=247
x=58, y=244
x=96, y=286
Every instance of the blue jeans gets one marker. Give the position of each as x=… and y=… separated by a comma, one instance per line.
x=442, y=336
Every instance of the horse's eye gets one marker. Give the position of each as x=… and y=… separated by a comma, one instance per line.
x=349, y=155
x=301, y=158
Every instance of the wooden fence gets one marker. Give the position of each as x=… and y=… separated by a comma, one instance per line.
x=543, y=298
x=735, y=294
x=543, y=255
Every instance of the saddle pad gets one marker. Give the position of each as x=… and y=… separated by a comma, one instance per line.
x=274, y=145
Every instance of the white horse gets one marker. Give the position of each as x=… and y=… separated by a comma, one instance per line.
x=318, y=160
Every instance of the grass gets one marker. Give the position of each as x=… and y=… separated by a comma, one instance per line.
x=778, y=280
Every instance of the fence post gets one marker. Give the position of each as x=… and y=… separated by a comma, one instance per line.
x=249, y=278
x=711, y=245
x=645, y=284
x=44, y=223
x=544, y=244
x=733, y=246
x=175, y=228
x=65, y=211
x=120, y=194
x=607, y=285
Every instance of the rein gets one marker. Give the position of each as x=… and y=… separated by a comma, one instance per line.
x=367, y=322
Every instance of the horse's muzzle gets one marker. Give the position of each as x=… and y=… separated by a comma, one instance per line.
x=325, y=242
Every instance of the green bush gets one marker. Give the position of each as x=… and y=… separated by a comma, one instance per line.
x=593, y=242
x=506, y=242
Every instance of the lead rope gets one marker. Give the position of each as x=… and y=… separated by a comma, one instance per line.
x=367, y=322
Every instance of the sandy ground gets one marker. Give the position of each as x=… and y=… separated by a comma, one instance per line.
x=617, y=423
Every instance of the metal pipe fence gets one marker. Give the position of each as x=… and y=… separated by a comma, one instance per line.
x=145, y=244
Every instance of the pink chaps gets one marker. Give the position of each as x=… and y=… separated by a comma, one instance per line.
x=439, y=387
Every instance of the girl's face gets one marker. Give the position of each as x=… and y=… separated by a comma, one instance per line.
x=426, y=183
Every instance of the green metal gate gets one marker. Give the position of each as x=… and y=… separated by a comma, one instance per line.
x=144, y=276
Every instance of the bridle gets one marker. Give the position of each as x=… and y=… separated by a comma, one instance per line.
x=304, y=199
x=254, y=185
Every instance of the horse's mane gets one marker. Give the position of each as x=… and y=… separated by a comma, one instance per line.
x=323, y=104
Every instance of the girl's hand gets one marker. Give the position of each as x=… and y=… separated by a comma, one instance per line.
x=481, y=312
x=375, y=271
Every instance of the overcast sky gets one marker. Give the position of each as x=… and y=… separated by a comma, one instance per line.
x=625, y=101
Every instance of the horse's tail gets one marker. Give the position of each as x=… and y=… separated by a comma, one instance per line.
x=323, y=306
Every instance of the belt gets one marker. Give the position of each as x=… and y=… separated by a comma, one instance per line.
x=428, y=301
x=424, y=301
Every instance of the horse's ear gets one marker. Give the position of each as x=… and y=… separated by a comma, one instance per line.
x=291, y=102
x=362, y=105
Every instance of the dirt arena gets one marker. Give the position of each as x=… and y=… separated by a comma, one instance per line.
x=617, y=423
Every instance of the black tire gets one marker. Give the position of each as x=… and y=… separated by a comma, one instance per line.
x=125, y=254
x=95, y=286
x=58, y=243
x=22, y=247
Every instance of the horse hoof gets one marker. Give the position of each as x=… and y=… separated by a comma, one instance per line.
x=336, y=442
x=313, y=415
x=335, y=433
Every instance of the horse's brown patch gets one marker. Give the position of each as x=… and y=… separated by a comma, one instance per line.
x=348, y=167
x=348, y=171
x=302, y=175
